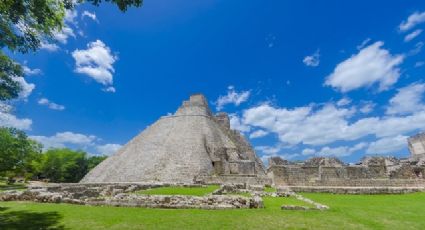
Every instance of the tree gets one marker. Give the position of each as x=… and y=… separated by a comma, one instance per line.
x=24, y=24
x=9, y=88
x=17, y=153
x=66, y=165
x=93, y=161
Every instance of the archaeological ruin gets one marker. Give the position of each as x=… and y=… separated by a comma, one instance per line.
x=195, y=148
x=190, y=146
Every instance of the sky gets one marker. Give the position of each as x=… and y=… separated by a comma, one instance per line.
x=299, y=78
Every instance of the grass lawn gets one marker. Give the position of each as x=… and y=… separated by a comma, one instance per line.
x=269, y=189
x=176, y=190
x=347, y=212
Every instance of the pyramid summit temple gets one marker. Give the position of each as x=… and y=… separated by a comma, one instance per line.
x=191, y=146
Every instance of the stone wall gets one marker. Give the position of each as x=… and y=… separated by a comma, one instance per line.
x=345, y=176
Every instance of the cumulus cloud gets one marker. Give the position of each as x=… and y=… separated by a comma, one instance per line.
x=321, y=125
x=236, y=124
x=26, y=87
x=49, y=47
x=232, y=97
x=10, y=120
x=367, y=107
x=50, y=104
x=108, y=149
x=258, y=133
x=109, y=89
x=417, y=49
x=408, y=100
x=96, y=62
x=387, y=145
x=59, y=140
x=312, y=60
x=412, y=35
x=419, y=64
x=413, y=20
x=78, y=140
x=90, y=15
x=340, y=151
x=343, y=101
x=63, y=35
x=372, y=65
x=30, y=72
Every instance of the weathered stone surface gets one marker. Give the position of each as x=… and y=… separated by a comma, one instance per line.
x=113, y=195
x=180, y=148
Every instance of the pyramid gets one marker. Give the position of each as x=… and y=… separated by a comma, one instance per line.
x=182, y=148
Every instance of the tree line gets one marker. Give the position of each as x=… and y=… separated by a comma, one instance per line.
x=22, y=158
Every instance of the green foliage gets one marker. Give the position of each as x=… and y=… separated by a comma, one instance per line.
x=17, y=153
x=347, y=212
x=178, y=190
x=66, y=165
x=9, y=88
x=93, y=161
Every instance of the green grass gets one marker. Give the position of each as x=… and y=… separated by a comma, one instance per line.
x=175, y=190
x=269, y=189
x=347, y=212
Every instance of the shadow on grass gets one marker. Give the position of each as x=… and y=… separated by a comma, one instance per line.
x=29, y=220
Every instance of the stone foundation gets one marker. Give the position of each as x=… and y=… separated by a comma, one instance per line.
x=121, y=195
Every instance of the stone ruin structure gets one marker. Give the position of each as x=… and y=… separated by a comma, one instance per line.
x=191, y=146
x=331, y=172
x=416, y=145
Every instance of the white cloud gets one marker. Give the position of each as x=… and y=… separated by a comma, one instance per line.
x=96, y=62
x=371, y=65
x=109, y=89
x=343, y=101
x=10, y=120
x=232, y=97
x=27, y=88
x=77, y=140
x=408, y=100
x=321, y=125
x=30, y=72
x=89, y=15
x=388, y=145
x=367, y=107
x=258, y=133
x=269, y=150
x=108, y=149
x=364, y=43
x=412, y=35
x=70, y=16
x=49, y=47
x=236, y=124
x=50, y=105
x=59, y=140
x=63, y=35
x=312, y=60
x=413, y=20
x=341, y=151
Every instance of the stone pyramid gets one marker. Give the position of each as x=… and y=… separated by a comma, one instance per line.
x=189, y=146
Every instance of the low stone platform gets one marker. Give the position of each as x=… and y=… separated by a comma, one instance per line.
x=356, y=190
x=123, y=195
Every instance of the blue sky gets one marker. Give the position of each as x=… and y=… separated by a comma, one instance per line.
x=299, y=78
